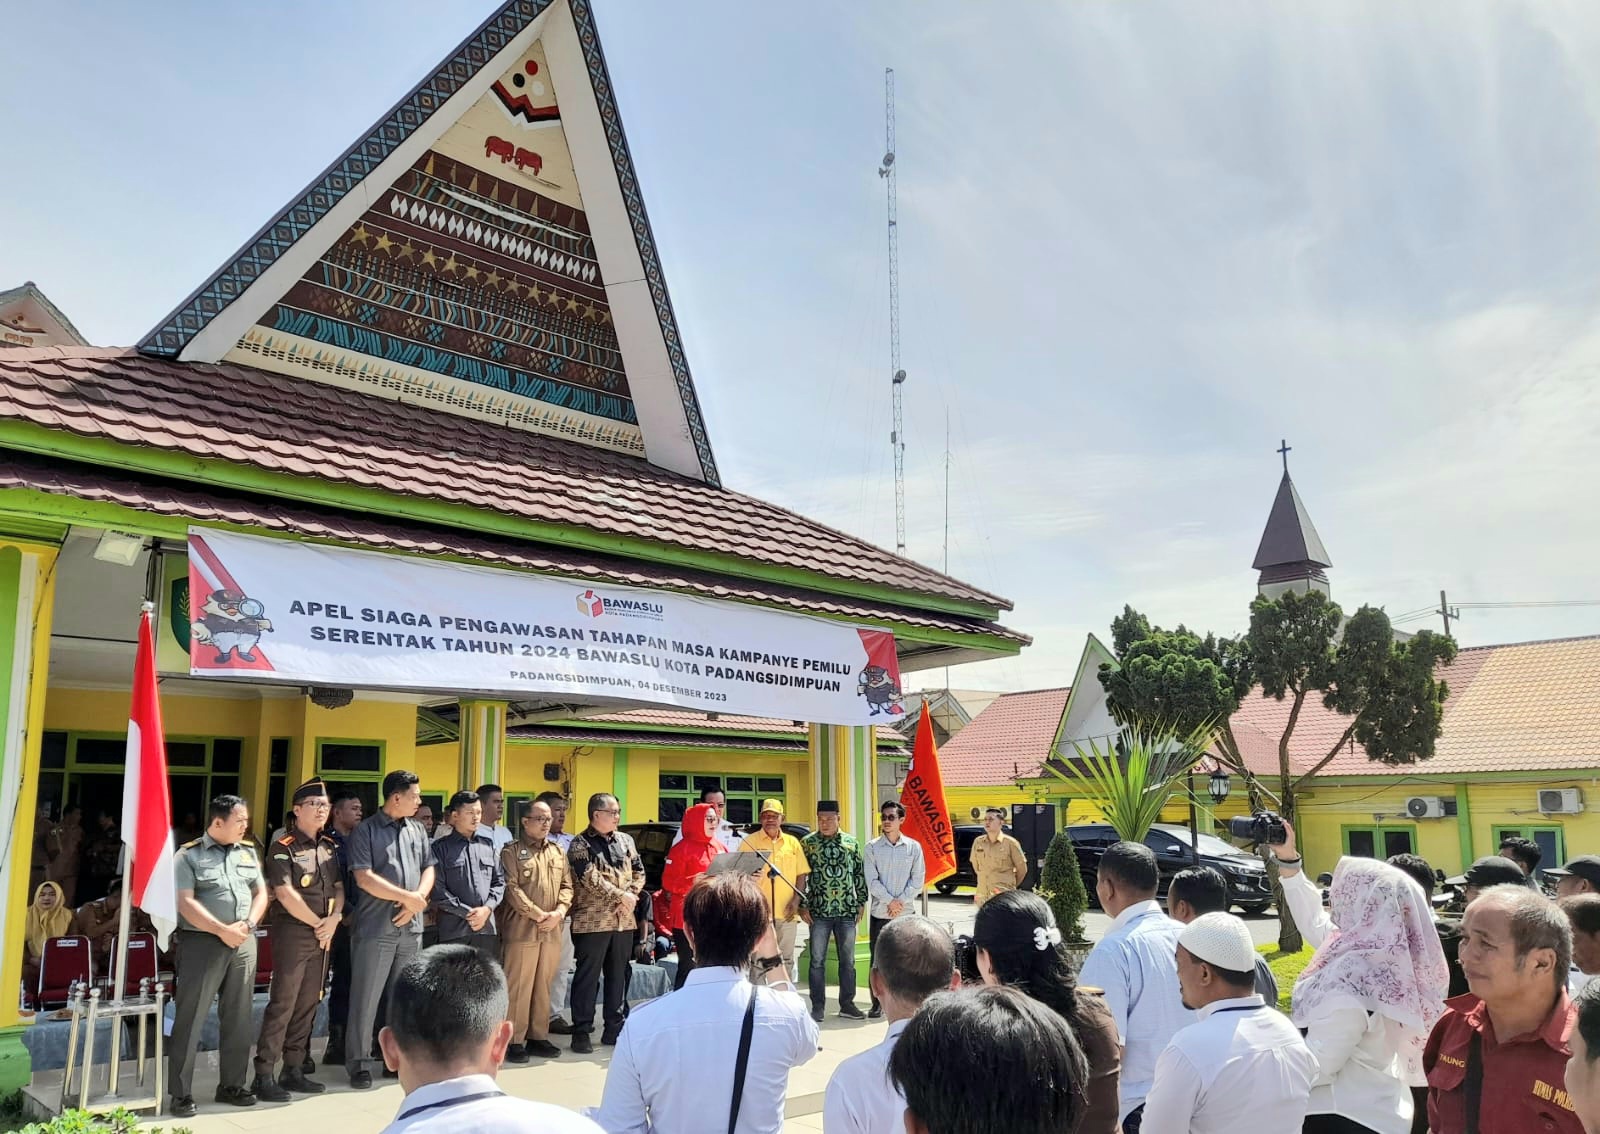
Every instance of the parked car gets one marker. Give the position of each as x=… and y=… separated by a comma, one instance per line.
x=653, y=839
x=966, y=835
x=1248, y=887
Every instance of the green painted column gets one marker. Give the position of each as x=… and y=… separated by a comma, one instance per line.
x=483, y=742
x=1464, y=824
x=619, y=781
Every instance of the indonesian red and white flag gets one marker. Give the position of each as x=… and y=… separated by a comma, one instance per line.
x=146, y=800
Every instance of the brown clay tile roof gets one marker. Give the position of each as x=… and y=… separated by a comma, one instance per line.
x=256, y=418
x=206, y=507
x=1523, y=707
x=1013, y=734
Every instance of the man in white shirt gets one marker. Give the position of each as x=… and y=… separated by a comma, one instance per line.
x=915, y=958
x=726, y=834
x=494, y=806
x=1136, y=964
x=446, y=1037
x=895, y=871
x=674, y=1070
x=1241, y=1065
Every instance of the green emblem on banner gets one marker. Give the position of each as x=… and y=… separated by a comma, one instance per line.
x=178, y=611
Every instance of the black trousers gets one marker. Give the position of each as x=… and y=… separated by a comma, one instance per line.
x=339, y=989
x=874, y=927
x=1332, y=1124
x=685, y=951
x=601, y=955
x=1419, y=1110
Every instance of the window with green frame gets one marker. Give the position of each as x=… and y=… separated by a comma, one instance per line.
x=86, y=769
x=678, y=791
x=354, y=764
x=1380, y=841
x=1552, y=841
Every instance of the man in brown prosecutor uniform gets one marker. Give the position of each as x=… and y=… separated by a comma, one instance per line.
x=304, y=875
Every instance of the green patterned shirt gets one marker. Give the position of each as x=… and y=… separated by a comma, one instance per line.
x=838, y=886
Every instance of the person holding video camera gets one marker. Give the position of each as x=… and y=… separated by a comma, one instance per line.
x=1372, y=992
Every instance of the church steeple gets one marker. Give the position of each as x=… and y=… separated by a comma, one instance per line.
x=1291, y=555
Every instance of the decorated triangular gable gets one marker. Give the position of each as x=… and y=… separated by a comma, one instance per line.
x=484, y=250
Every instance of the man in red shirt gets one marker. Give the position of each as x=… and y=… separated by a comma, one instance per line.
x=1496, y=1059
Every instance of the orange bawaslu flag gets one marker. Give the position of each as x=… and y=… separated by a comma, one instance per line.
x=927, y=814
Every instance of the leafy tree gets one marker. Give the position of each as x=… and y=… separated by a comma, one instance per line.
x=1061, y=884
x=1176, y=679
x=1300, y=646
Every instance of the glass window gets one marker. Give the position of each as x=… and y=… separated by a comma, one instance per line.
x=97, y=750
x=1375, y=842
x=53, y=750
x=674, y=781
x=1396, y=842
x=339, y=757
x=740, y=783
x=184, y=753
x=707, y=783
x=741, y=813
x=280, y=756
x=671, y=810
x=226, y=753
x=1362, y=844
x=229, y=785
x=769, y=785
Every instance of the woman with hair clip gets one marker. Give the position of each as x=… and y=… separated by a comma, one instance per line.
x=1019, y=946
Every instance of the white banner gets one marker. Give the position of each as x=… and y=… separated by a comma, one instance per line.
x=308, y=614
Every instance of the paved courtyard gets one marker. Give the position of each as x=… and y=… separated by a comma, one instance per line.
x=573, y=1081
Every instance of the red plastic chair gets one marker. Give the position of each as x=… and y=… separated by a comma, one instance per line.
x=263, y=960
x=141, y=962
x=66, y=961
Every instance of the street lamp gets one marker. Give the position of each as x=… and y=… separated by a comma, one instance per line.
x=1219, y=785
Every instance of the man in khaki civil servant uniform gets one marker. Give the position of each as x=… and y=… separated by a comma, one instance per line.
x=538, y=896
x=303, y=873
x=997, y=858
x=221, y=899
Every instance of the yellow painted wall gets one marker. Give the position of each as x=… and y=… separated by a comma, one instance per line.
x=1325, y=809
x=21, y=849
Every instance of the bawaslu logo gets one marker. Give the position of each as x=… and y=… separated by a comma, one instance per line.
x=593, y=604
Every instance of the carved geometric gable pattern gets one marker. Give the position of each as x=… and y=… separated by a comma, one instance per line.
x=471, y=283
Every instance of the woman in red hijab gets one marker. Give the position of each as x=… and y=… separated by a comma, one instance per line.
x=687, y=861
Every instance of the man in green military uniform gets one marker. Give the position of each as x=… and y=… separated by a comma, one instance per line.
x=221, y=899
x=304, y=875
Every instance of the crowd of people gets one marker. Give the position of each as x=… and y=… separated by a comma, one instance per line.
x=447, y=948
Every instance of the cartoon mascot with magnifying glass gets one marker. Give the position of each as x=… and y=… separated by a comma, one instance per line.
x=231, y=622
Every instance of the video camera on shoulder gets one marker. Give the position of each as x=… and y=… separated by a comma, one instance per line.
x=1261, y=827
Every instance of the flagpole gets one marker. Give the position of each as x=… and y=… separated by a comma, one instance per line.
x=124, y=921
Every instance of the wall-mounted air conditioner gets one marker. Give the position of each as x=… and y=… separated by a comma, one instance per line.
x=1560, y=801
x=1425, y=807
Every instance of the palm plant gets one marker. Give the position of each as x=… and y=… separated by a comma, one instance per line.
x=1131, y=778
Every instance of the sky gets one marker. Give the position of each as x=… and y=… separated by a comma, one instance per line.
x=1140, y=244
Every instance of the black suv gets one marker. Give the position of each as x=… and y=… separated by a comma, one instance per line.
x=966, y=835
x=653, y=839
x=1248, y=887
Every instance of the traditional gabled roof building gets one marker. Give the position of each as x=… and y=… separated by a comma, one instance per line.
x=454, y=348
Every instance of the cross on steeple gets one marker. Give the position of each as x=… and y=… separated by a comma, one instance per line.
x=1284, y=449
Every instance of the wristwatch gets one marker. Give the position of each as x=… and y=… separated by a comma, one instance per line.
x=252, y=925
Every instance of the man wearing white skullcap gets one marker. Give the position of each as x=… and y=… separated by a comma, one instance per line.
x=1241, y=1065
